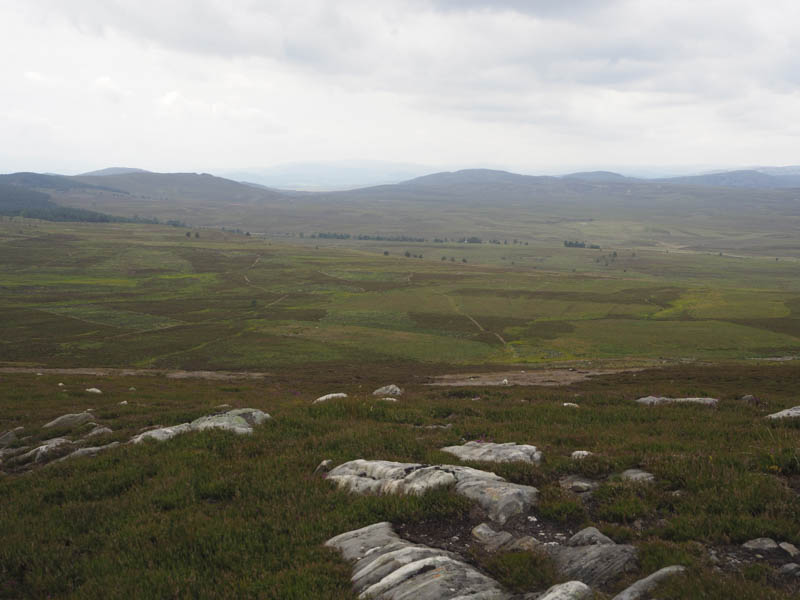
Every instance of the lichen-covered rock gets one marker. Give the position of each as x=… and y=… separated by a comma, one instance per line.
x=571, y=590
x=388, y=567
x=388, y=390
x=253, y=416
x=327, y=397
x=491, y=452
x=590, y=536
x=225, y=421
x=70, y=421
x=161, y=434
x=494, y=494
x=657, y=400
x=642, y=588
x=594, y=565
x=637, y=476
x=789, y=413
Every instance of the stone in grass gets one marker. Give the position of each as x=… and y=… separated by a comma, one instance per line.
x=388, y=390
x=491, y=452
x=238, y=420
x=789, y=413
x=761, y=544
x=790, y=569
x=642, y=588
x=790, y=549
x=388, y=567
x=387, y=399
x=324, y=466
x=94, y=390
x=570, y=590
x=657, y=400
x=578, y=484
x=491, y=540
x=161, y=434
x=581, y=454
x=8, y=438
x=93, y=451
x=70, y=421
x=48, y=451
x=499, y=498
x=590, y=536
x=327, y=397
x=637, y=476
x=570, y=405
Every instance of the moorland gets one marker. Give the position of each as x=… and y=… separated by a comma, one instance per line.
x=689, y=291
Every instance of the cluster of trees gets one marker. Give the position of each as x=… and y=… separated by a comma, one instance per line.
x=576, y=244
x=453, y=259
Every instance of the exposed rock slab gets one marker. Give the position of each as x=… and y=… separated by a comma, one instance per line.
x=93, y=451
x=637, y=476
x=98, y=430
x=657, y=400
x=388, y=390
x=642, y=588
x=8, y=438
x=327, y=397
x=491, y=452
x=499, y=498
x=790, y=549
x=70, y=421
x=789, y=413
x=495, y=541
x=238, y=420
x=594, y=565
x=50, y=450
x=388, y=567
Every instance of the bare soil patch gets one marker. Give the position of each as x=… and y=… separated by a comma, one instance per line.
x=545, y=377
x=212, y=375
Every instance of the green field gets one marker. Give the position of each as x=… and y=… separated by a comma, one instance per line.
x=143, y=296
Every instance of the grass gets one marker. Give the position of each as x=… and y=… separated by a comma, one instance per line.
x=212, y=514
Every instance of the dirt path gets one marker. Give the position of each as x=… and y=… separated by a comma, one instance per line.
x=481, y=328
x=111, y=372
x=546, y=377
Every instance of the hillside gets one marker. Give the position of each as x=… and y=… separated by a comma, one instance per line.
x=751, y=179
x=113, y=171
x=16, y=201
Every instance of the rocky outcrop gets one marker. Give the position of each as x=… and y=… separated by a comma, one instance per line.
x=497, y=541
x=98, y=430
x=70, y=421
x=9, y=437
x=642, y=588
x=789, y=413
x=238, y=420
x=594, y=565
x=388, y=567
x=388, y=390
x=657, y=400
x=500, y=453
x=499, y=498
x=327, y=397
x=49, y=450
x=93, y=451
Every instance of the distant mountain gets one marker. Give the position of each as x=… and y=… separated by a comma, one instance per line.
x=788, y=170
x=599, y=176
x=113, y=171
x=327, y=176
x=17, y=201
x=39, y=181
x=751, y=179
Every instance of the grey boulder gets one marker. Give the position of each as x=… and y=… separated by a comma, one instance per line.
x=48, y=451
x=238, y=420
x=327, y=397
x=93, y=451
x=578, y=484
x=590, y=536
x=491, y=452
x=388, y=390
x=763, y=544
x=642, y=588
x=70, y=421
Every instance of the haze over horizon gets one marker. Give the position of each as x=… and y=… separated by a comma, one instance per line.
x=531, y=87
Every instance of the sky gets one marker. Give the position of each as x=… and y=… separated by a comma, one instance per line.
x=533, y=86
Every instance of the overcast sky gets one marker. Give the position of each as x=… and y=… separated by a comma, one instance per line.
x=533, y=86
